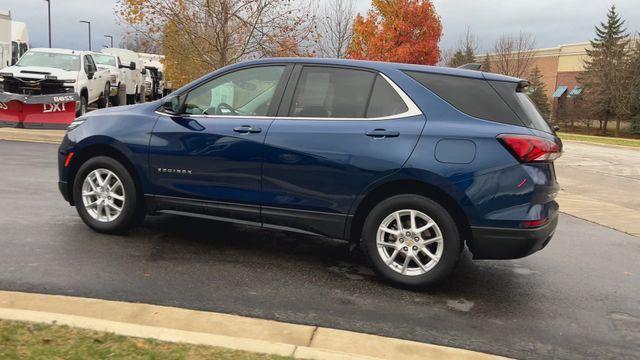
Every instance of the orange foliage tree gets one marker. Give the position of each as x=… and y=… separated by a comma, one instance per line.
x=199, y=36
x=405, y=31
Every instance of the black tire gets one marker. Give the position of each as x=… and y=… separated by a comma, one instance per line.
x=131, y=99
x=451, y=240
x=103, y=101
x=133, y=209
x=83, y=106
x=115, y=100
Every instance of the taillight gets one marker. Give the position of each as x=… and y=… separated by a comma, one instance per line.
x=529, y=148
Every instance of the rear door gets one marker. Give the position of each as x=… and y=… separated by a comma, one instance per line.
x=338, y=131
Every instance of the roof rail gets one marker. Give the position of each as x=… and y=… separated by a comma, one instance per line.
x=470, y=66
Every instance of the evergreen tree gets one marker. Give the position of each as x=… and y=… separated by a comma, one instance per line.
x=605, y=70
x=537, y=93
x=486, y=64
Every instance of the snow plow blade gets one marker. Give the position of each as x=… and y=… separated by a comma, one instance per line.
x=37, y=111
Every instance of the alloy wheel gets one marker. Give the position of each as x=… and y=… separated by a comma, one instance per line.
x=409, y=242
x=103, y=195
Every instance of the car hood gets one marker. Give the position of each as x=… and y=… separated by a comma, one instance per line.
x=39, y=72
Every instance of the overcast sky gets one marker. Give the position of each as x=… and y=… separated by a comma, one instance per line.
x=552, y=22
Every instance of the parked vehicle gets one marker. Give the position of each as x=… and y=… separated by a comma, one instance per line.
x=155, y=78
x=43, y=71
x=409, y=162
x=5, y=38
x=19, y=40
x=117, y=93
x=133, y=72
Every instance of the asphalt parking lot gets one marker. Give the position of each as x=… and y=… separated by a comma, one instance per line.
x=580, y=297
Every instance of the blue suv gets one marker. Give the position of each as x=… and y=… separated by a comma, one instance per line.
x=408, y=162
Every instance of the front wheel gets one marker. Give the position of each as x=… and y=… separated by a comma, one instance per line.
x=411, y=241
x=106, y=196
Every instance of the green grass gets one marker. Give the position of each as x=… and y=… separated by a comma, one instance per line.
x=21, y=340
x=601, y=139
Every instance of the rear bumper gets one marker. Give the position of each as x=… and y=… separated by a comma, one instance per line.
x=504, y=243
x=64, y=190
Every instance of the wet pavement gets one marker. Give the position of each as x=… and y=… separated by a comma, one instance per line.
x=578, y=297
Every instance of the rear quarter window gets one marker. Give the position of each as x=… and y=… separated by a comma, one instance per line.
x=474, y=97
x=521, y=104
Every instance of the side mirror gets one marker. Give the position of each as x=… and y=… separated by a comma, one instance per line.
x=144, y=71
x=160, y=76
x=173, y=105
x=556, y=128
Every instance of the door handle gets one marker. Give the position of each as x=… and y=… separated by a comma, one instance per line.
x=247, y=129
x=382, y=133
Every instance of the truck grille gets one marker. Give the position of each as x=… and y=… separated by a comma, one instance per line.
x=27, y=86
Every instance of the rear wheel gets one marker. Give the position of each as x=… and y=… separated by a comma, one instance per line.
x=106, y=196
x=411, y=241
x=103, y=101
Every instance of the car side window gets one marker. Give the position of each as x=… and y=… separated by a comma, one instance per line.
x=385, y=101
x=329, y=92
x=246, y=92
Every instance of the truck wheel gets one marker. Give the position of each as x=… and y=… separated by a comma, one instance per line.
x=115, y=100
x=131, y=99
x=103, y=101
x=83, y=106
x=106, y=196
x=411, y=241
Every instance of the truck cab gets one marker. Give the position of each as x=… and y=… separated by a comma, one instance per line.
x=19, y=40
x=116, y=69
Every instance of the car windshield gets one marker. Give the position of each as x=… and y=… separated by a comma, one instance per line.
x=67, y=62
x=107, y=60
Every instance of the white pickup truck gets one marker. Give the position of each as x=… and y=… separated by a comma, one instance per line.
x=117, y=76
x=133, y=72
x=43, y=71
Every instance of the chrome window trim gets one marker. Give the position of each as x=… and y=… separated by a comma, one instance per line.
x=412, y=110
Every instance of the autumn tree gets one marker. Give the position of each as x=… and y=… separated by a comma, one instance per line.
x=514, y=55
x=465, y=53
x=203, y=35
x=605, y=78
x=335, y=25
x=405, y=31
x=537, y=93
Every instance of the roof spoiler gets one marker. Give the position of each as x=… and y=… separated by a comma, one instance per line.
x=470, y=66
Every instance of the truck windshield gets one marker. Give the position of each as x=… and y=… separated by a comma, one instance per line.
x=67, y=62
x=107, y=60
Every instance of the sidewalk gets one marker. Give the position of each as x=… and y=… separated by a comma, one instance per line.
x=214, y=329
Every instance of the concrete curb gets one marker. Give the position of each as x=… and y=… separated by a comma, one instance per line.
x=32, y=135
x=215, y=329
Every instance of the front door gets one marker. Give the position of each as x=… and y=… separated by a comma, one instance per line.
x=209, y=159
x=341, y=131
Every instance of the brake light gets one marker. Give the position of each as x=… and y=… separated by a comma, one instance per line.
x=534, y=223
x=529, y=148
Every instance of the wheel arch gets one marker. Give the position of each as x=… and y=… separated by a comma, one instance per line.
x=100, y=149
x=407, y=186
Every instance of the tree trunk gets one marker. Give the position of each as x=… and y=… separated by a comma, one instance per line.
x=605, y=124
x=617, y=127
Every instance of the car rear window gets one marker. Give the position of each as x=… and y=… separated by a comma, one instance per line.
x=475, y=97
x=520, y=102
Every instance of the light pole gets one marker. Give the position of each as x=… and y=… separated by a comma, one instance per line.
x=110, y=38
x=49, y=9
x=88, y=23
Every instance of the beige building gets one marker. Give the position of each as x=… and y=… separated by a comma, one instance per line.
x=560, y=67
